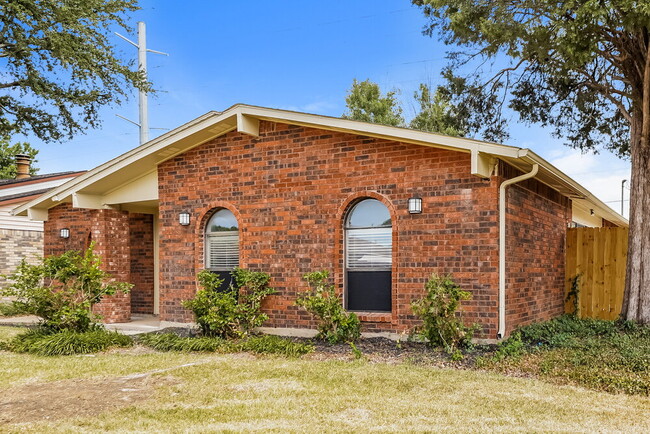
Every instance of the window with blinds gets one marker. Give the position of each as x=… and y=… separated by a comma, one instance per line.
x=369, y=249
x=223, y=251
x=222, y=241
x=369, y=257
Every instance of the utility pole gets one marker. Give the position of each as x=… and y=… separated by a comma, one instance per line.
x=142, y=66
x=623, y=195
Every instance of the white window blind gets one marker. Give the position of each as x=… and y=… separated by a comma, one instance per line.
x=369, y=249
x=223, y=251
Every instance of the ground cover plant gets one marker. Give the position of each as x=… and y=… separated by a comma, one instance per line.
x=613, y=356
x=334, y=323
x=266, y=344
x=43, y=342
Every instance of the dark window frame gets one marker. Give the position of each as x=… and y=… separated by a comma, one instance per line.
x=377, y=296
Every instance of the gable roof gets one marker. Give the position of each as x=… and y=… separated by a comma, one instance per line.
x=140, y=162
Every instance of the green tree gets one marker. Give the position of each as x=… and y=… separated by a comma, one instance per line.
x=366, y=103
x=8, y=160
x=579, y=67
x=58, y=65
x=436, y=113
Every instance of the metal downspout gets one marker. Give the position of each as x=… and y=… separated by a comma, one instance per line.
x=502, y=245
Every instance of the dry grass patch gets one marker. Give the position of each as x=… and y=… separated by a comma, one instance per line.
x=235, y=393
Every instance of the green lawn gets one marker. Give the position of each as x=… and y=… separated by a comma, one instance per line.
x=142, y=390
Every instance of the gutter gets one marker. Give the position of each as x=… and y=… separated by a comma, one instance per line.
x=502, y=245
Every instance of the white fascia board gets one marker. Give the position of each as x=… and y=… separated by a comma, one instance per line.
x=125, y=159
x=603, y=209
x=368, y=129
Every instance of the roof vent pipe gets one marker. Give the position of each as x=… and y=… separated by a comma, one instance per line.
x=23, y=163
x=502, y=245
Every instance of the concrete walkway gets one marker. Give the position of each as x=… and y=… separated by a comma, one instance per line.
x=139, y=324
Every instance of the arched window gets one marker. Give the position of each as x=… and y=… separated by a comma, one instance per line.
x=368, y=257
x=222, y=244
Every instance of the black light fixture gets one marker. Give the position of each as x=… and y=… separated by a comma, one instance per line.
x=591, y=212
x=184, y=218
x=64, y=233
x=415, y=205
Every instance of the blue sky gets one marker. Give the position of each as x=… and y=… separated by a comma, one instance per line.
x=299, y=55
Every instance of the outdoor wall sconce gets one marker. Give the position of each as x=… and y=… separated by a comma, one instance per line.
x=184, y=218
x=591, y=212
x=415, y=205
x=65, y=233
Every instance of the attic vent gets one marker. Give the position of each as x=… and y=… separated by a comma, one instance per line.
x=169, y=151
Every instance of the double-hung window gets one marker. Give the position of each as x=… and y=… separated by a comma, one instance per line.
x=222, y=245
x=368, y=257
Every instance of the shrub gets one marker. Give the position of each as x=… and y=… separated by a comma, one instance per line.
x=11, y=309
x=334, y=323
x=62, y=289
x=437, y=310
x=44, y=342
x=233, y=312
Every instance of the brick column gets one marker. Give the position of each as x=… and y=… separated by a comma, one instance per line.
x=110, y=232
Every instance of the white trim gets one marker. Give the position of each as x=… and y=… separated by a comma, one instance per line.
x=246, y=118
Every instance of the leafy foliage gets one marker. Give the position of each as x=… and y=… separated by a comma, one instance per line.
x=366, y=103
x=573, y=66
x=437, y=309
x=45, y=342
x=436, y=114
x=269, y=344
x=573, y=295
x=255, y=344
x=334, y=323
x=605, y=355
x=440, y=111
x=60, y=66
x=7, y=158
x=62, y=289
x=233, y=312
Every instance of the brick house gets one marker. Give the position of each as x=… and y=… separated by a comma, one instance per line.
x=288, y=193
x=21, y=238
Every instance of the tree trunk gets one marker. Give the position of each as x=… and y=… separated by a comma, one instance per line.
x=636, y=302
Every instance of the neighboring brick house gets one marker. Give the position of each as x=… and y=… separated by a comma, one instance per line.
x=288, y=193
x=21, y=238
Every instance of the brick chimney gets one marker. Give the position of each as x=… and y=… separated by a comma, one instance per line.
x=22, y=166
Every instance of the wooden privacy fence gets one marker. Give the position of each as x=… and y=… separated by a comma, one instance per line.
x=599, y=257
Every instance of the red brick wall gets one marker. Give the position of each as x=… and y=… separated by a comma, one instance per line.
x=290, y=189
x=142, y=263
x=536, y=224
x=104, y=227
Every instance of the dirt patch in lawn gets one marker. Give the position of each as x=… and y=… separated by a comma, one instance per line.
x=382, y=350
x=74, y=398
